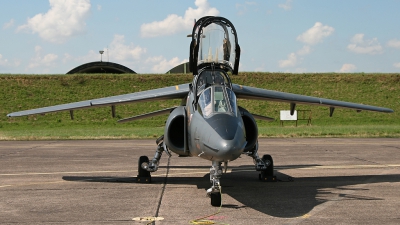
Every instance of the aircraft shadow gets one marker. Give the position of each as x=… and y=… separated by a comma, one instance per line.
x=278, y=199
x=100, y=179
x=294, y=199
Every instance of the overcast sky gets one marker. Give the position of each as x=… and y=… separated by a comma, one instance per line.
x=55, y=36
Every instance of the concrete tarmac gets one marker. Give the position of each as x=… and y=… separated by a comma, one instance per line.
x=321, y=181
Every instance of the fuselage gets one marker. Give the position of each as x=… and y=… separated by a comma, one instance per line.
x=215, y=127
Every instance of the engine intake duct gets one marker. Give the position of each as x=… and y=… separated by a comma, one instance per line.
x=251, y=129
x=175, y=132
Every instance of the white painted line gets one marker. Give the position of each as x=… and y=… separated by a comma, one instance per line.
x=205, y=170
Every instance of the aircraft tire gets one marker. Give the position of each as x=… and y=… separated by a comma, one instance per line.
x=216, y=199
x=270, y=169
x=142, y=172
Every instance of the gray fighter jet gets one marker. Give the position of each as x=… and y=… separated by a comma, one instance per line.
x=208, y=124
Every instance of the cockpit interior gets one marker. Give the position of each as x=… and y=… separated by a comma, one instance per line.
x=214, y=94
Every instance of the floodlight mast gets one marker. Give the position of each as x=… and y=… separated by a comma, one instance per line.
x=101, y=55
x=207, y=32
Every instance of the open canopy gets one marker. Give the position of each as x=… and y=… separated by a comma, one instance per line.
x=214, y=43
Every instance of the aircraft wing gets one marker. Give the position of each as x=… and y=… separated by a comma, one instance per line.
x=247, y=92
x=147, y=115
x=172, y=92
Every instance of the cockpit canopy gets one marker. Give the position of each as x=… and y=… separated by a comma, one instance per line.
x=207, y=78
x=214, y=51
x=214, y=44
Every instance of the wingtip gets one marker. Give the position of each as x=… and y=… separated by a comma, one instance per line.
x=387, y=110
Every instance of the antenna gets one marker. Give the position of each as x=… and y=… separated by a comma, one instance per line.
x=194, y=23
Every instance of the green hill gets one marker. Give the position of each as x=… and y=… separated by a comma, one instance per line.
x=21, y=92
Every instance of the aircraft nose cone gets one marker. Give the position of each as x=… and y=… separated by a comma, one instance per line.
x=224, y=125
x=231, y=146
x=224, y=150
x=227, y=145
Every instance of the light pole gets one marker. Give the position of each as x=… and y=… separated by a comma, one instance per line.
x=101, y=55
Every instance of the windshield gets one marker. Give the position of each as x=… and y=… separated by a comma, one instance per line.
x=205, y=103
x=232, y=100
x=217, y=99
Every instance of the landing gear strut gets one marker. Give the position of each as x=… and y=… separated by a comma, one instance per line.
x=215, y=191
x=265, y=165
x=145, y=166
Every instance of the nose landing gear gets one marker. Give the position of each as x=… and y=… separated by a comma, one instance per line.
x=215, y=191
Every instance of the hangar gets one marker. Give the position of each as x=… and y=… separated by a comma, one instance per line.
x=101, y=67
x=115, y=68
x=182, y=68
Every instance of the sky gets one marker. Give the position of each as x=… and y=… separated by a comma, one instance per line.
x=294, y=36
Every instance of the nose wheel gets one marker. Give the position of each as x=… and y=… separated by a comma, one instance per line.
x=216, y=199
x=215, y=191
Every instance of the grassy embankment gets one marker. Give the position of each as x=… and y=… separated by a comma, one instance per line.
x=21, y=92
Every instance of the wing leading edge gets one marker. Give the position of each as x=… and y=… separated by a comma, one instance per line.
x=247, y=92
x=172, y=92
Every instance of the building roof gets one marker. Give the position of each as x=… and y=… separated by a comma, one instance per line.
x=101, y=67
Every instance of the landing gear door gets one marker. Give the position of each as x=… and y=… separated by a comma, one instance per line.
x=185, y=136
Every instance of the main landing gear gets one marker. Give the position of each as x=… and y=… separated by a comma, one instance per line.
x=265, y=165
x=145, y=167
x=143, y=175
x=268, y=173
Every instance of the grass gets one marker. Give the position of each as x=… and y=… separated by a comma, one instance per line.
x=20, y=92
x=120, y=133
x=82, y=133
x=364, y=131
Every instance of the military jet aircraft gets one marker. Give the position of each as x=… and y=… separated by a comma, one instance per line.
x=209, y=123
